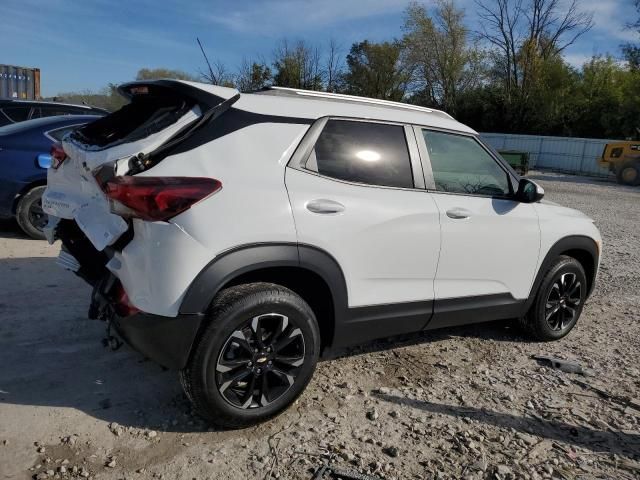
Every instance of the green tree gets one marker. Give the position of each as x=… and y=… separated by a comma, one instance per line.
x=608, y=100
x=377, y=70
x=297, y=66
x=253, y=76
x=524, y=36
x=107, y=98
x=158, y=73
x=446, y=63
x=631, y=51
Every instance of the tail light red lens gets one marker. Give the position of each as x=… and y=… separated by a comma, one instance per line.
x=58, y=156
x=158, y=198
x=123, y=306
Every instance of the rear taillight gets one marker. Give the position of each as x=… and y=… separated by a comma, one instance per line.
x=157, y=198
x=122, y=305
x=58, y=156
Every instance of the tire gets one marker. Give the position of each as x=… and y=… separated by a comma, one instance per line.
x=29, y=213
x=231, y=379
x=557, y=293
x=629, y=173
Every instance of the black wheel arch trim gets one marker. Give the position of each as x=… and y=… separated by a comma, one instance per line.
x=563, y=246
x=256, y=256
x=235, y=262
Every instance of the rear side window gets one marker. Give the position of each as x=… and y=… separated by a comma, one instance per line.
x=51, y=111
x=461, y=165
x=363, y=152
x=17, y=114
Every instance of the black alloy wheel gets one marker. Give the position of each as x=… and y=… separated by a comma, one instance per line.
x=563, y=301
x=260, y=361
x=254, y=356
x=559, y=300
x=37, y=217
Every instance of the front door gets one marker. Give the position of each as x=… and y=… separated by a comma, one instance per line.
x=490, y=241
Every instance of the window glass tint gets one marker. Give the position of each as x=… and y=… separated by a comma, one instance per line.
x=461, y=165
x=364, y=152
x=60, y=132
x=17, y=114
x=50, y=111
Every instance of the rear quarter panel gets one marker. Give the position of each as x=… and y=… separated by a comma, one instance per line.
x=162, y=260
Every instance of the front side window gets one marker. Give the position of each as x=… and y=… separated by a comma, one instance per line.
x=363, y=152
x=461, y=165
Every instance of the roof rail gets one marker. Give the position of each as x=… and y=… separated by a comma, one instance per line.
x=355, y=98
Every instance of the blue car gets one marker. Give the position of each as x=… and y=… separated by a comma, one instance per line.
x=24, y=159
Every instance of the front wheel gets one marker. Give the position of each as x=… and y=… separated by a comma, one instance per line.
x=559, y=301
x=629, y=173
x=255, y=357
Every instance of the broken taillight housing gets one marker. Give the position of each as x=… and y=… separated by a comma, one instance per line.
x=122, y=305
x=58, y=155
x=157, y=198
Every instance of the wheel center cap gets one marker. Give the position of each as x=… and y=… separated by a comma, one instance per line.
x=261, y=359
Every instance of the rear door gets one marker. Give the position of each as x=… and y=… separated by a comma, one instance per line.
x=490, y=241
x=357, y=192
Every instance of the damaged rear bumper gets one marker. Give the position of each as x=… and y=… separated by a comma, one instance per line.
x=165, y=340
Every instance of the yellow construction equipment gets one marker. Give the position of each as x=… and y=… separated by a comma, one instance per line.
x=623, y=159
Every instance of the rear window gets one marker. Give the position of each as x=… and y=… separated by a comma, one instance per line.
x=363, y=152
x=148, y=112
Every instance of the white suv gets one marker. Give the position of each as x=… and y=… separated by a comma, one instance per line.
x=235, y=237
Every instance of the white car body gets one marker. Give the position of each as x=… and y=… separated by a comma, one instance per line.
x=426, y=251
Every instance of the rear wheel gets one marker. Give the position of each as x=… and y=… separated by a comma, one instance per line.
x=559, y=301
x=30, y=215
x=629, y=173
x=255, y=357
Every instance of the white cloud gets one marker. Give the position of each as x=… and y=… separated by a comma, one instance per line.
x=577, y=60
x=283, y=17
x=611, y=17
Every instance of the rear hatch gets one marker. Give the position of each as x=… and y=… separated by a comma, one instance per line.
x=161, y=115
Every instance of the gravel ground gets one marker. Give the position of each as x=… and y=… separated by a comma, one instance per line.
x=460, y=403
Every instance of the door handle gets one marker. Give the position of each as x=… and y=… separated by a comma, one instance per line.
x=458, y=213
x=324, y=206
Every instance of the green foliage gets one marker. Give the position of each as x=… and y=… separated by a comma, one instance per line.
x=108, y=98
x=376, y=70
x=158, y=73
x=446, y=63
x=297, y=66
x=253, y=76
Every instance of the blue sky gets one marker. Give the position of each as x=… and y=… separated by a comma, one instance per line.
x=82, y=45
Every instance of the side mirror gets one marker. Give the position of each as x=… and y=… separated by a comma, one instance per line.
x=529, y=192
x=44, y=160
